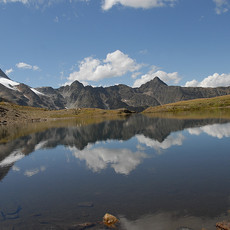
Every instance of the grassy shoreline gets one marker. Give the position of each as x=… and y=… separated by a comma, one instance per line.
x=12, y=113
x=212, y=106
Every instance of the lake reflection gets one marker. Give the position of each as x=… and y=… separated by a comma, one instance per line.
x=152, y=173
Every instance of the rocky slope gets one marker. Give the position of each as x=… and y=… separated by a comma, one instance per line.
x=76, y=95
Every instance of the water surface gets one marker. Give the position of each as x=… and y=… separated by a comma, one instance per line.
x=152, y=173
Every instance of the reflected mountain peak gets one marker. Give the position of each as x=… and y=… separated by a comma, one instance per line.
x=159, y=173
x=156, y=133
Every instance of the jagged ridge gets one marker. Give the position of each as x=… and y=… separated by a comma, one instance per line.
x=76, y=95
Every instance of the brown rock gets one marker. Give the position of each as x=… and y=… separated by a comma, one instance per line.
x=223, y=225
x=110, y=220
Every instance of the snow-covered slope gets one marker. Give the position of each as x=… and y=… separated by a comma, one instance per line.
x=23, y=94
x=8, y=83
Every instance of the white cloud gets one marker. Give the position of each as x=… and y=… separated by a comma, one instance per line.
x=35, y=67
x=22, y=65
x=123, y=161
x=145, y=4
x=222, y=6
x=135, y=75
x=173, y=139
x=217, y=130
x=9, y=71
x=171, y=78
x=193, y=83
x=116, y=64
x=214, y=80
x=38, y=3
x=56, y=19
x=12, y=1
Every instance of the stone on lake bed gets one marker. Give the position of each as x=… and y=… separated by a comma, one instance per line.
x=110, y=220
x=223, y=225
x=85, y=204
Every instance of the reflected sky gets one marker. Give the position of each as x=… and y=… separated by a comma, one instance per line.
x=123, y=161
x=217, y=130
x=150, y=172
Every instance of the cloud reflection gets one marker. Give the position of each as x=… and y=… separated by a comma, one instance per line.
x=217, y=130
x=162, y=221
x=123, y=161
x=32, y=172
x=174, y=139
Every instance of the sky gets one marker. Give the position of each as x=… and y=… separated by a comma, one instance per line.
x=108, y=42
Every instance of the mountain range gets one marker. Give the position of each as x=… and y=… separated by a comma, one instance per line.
x=76, y=95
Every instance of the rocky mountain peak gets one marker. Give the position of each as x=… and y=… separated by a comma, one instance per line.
x=2, y=74
x=77, y=84
x=76, y=95
x=153, y=84
x=156, y=81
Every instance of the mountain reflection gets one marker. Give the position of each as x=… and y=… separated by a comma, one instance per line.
x=150, y=132
x=173, y=139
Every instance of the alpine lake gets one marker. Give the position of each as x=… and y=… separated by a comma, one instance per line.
x=151, y=173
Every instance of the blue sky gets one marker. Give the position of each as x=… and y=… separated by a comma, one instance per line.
x=107, y=42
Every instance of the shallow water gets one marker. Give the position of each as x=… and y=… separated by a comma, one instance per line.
x=152, y=173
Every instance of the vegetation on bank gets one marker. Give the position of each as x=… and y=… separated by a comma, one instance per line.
x=202, y=105
x=12, y=113
x=13, y=117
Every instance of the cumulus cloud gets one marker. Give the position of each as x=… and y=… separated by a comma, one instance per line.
x=9, y=71
x=123, y=161
x=171, y=78
x=22, y=65
x=145, y=4
x=176, y=139
x=115, y=64
x=9, y=1
x=217, y=130
x=38, y=3
x=214, y=80
x=222, y=6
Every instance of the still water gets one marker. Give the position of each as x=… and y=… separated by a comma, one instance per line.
x=151, y=173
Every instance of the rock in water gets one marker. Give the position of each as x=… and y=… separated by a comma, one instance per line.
x=110, y=220
x=223, y=225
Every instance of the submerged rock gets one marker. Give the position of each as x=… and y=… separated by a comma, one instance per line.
x=85, y=204
x=223, y=225
x=110, y=220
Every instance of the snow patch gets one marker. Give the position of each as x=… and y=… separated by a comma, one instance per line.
x=37, y=92
x=8, y=83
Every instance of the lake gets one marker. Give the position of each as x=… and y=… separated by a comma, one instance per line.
x=151, y=173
